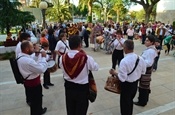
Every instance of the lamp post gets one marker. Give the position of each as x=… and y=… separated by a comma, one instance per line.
x=43, y=6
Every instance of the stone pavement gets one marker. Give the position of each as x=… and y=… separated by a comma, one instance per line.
x=161, y=102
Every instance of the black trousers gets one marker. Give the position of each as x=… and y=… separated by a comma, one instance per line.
x=155, y=62
x=128, y=92
x=130, y=37
x=143, y=96
x=117, y=56
x=168, y=46
x=143, y=38
x=46, y=77
x=76, y=98
x=86, y=41
x=35, y=94
x=28, y=100
x=161, y=40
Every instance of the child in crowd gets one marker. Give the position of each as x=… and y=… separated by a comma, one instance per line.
x=158, y=47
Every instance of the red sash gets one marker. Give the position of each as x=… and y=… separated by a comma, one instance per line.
x=73, y=66
x=32, y=82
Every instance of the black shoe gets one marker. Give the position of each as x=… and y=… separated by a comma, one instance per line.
x=44, y=110
x=138, y=104
x=50, y=84
x=45, y=86
x=28, y=103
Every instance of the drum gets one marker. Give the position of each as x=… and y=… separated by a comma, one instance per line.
x=99, y=39
x=113, y=85
x=52, y=66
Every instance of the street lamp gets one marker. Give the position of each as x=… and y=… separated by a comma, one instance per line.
x=43, y=6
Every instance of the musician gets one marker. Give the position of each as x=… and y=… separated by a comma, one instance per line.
x=31, y=70
x=129, y=82
x=75, y=65
x=46, y=76
x=22, y=37
x=149, y=56
x=117, y=54
x=97, y=31
x=62, y=46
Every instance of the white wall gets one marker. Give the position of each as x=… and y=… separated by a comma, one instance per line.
x=164, y=5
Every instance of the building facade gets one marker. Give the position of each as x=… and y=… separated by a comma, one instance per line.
x=166, y=11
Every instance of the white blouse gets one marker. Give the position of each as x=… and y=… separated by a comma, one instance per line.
x=61, y=47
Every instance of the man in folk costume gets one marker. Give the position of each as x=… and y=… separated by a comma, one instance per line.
x=76, y=65
x=129, y=72
x=144, y=84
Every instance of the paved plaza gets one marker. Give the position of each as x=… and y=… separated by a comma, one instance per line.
x=161, y=101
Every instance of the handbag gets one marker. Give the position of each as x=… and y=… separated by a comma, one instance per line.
x=92, y=88
x=113, y=84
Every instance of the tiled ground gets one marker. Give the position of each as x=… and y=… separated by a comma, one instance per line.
x=12, y=99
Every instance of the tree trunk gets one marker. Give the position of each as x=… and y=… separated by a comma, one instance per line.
x=147, y=16
x=90, y=10
x=7, y=29
x=148, y=11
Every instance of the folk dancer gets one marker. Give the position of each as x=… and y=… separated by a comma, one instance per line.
x=23, y=37
x=129, y=82
x=117, y=54
x=46, y=76
x=144, y=84
x=75, y=65
x=62, y=46
x=97, y=31
x=31, y=70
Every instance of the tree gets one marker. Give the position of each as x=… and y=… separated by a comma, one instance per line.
x=59, y=12
x=89, y=3
x=10, y=15
x=119, y=8
x=148, y=6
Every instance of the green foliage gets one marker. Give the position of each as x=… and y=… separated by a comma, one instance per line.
x=140, y=15
x=59, y=12
x=7, y=55
x=1, y=43
x=174, y=23
x=89, y=19
x=10, y=15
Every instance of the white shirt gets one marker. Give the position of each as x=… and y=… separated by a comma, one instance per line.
x=149, y=54
x=61, y=47
x=18, y=49
x=82, y=78
x=36, y=58
x=130, y=32
x=28, y=66
x=148, y=30
x=117, y=45
x=127, y=65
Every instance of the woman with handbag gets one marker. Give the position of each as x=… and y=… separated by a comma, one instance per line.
x=130, y=70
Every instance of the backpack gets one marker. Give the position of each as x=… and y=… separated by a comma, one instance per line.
x=14, y=65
